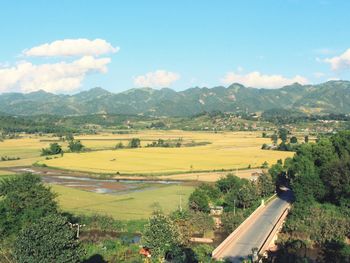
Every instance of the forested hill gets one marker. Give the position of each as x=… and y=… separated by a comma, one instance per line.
x=329, y=97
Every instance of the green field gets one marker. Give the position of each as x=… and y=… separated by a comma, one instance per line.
x=137, y=205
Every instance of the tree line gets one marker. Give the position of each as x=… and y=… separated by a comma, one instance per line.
x=319, y=175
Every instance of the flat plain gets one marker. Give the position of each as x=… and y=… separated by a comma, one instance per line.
x=209, y=154
x=228, y=151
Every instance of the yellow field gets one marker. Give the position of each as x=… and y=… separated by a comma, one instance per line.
x=208, y=176
x=5, y=173
x=135, y=205
x=227, y=151
x=27, y=148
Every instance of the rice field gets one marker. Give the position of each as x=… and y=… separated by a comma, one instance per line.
x=228, y=151
x=136, y=205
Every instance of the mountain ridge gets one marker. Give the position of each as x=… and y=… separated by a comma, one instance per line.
x=328, y=97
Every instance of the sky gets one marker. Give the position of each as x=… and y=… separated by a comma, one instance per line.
x=68, y=46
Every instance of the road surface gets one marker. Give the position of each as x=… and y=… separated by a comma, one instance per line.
x=255, y=234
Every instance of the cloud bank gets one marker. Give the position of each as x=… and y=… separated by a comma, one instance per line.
x=258, y=80
x=72, y=47
x=54, y=77
x=63, y=76
x=340, y=62
x=156, y=79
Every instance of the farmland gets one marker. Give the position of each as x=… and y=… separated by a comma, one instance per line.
x=226, y=151
x=136, y=205
x=217, y=151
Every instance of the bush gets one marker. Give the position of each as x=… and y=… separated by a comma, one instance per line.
x=135, y=143
x=54, y=148
x=75, y=146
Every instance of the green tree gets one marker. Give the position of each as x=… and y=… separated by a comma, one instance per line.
x=203, y=253
x=161, y=235
x=54, y=148
x=49, y=239
x=336, y=177
x=231, y=221
x=229, y=183
x=305, y=181
x=135, y=143
x=199, y=201
x=23, y=199
x=282, y=134
x=306, y=138
x=293, y=139
x=247, y=195
x=201, y=222
x=341, y=143
x=231, y=200
x=212, y=192
x=323, y=152
x=75, y=146
x=265, y=185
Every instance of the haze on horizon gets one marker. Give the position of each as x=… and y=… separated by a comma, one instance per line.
x=66, y=47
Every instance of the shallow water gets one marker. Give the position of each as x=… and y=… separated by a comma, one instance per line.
x=106, y=186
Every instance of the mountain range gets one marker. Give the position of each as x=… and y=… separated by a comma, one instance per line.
x=328, y=97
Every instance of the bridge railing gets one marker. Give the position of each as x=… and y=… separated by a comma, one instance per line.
x=274, y=230
x=216, y=254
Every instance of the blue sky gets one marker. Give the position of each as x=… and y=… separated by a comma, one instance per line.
x=179, y=44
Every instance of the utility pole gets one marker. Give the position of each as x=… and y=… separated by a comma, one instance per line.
x=234, y=207
x=78, y=226
x=180, y=203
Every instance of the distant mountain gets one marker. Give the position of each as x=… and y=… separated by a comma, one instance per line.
x=329, y=97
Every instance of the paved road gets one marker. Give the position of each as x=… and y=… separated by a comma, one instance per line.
x=255, y=235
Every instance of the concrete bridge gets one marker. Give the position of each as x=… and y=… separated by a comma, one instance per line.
x=258, y=231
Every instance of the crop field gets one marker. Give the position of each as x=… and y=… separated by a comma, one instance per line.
x=136, y=205
x=230, y=150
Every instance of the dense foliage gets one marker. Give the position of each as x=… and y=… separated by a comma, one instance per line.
x=24, y=200
x=161, y=235
x=319, y=175
x=31, y=227
x=50, y=239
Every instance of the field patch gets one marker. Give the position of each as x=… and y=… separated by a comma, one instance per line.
x=228, y=151
x=137, y=205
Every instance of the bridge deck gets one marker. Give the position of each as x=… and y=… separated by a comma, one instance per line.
x=255, y=234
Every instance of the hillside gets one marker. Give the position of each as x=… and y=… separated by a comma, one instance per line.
x=329, y=97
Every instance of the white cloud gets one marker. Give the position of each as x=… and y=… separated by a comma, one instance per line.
x=72, y=47
x=259, y=80
x=156, y=79
x=340, y=62
x=62, y=76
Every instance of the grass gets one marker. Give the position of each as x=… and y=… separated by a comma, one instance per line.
x=227, y=151
x=130, y=206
